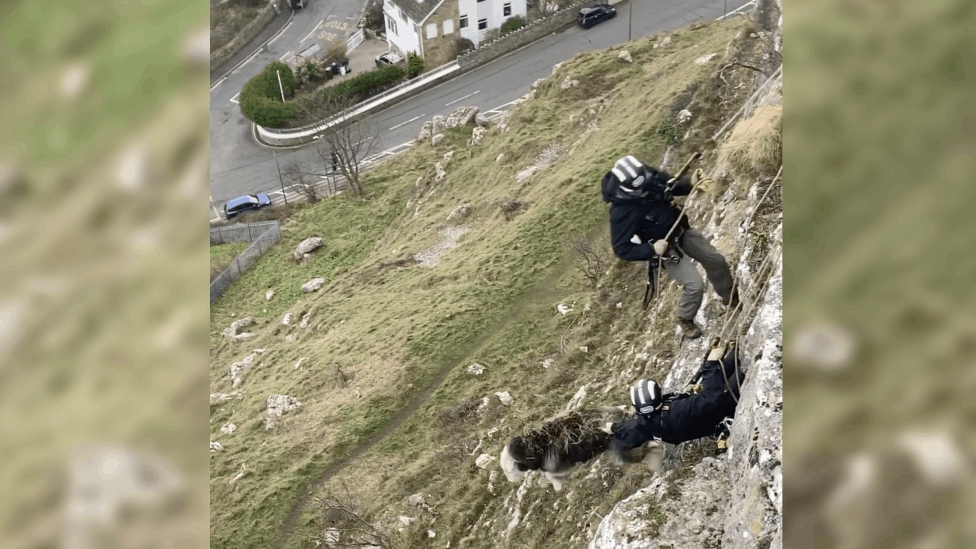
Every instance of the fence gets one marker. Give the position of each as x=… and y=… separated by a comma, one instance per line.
x=241, y=232
x=259, y=245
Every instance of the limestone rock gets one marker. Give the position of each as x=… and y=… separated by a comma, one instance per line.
x=481, y=120
x=684, y=115
x=568, y=83
x=563, y=309
x=437, y=125
x=415, y=499
x=537, y=83
x=666, y=41
x=287, y=320
x=501, y=158
x=505, y=398
x=477, y=135
x=625, y=56
x=459, y=214
x=525, y=174
x=268, y=295
x=484, y=460
x=476, y=369
x=705, y=58
x=237, y=369
x=215, y=446
x=228, y=428
x=425, y=132
x=279, y=405
x=462, y=116
x=313, y=285
x=238, y=326
x=439, y=172
x=217, y=398
x=307, y=246
x=437, y=139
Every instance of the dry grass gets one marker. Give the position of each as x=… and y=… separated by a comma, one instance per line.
x=755, y=147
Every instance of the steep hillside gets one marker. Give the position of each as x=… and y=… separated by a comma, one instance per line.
x=489, y=253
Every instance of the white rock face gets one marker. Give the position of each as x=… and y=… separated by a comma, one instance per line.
x=437, y=139
x=307, y=246
x=215, y=446
x=425, y=132
x=505, y=398
x=437, y=125
x=228, y=428
x=625, y=56
x=462, y=116
x=287, y=320
x=217, y=398
x=525, y=174
x=268, y=295
x=476, y=369
x=439, y=172
x=279, y=405
x=484, y=460
x=564, y=309
x=684, y=115
x=313, y=285
x=481, y=120
x=237, y=369
x=568, y=83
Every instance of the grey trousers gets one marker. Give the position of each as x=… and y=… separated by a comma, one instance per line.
x=684, y=272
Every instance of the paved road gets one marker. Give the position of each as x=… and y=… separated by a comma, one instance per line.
x=239, y=165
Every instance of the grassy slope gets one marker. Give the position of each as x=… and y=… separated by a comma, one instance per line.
x=491, y=300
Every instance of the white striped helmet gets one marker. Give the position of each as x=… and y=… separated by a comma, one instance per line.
x=630, y=173
x=646, y=396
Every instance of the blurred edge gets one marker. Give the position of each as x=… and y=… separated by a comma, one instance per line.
x=104, y=166
x=880, y=315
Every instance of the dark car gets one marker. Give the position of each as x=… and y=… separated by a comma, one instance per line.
x=246, y=203
x=591, y=15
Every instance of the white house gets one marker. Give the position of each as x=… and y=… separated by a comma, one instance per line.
x=430, y=28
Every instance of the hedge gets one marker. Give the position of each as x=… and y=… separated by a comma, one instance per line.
x=261, y=96
x=367, y=83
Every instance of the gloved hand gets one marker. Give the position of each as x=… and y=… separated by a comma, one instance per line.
x=717, y=352
x=697, y=176
x=660, y=246
x=697, y=388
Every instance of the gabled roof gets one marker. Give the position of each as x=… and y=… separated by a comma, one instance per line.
x=418, y=12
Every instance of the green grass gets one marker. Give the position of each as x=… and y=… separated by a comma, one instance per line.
x=406, y=334
x=222, y=255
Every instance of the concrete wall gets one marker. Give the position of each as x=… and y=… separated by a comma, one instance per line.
x=252, y=29
x=440, y=49
x=526, y=35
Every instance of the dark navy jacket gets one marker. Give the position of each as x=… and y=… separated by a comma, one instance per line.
x=650, y=217
x=688, y=416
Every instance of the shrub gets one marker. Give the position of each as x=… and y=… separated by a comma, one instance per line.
x=368, y=83
x=415, y=64
x=261, y=96
x=512, y=24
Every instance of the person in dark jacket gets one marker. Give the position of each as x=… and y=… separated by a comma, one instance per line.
x=677, y=418
x=641, y=214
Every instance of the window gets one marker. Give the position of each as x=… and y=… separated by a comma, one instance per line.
x=507, y=10
x=392, y=25
x=448, y=26
x=464, y=22
x=432, y=30
x=482, y=24
x=402, y=17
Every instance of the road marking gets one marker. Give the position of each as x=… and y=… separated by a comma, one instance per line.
x=313, y=31
x=463, y=98
x=282, y=58
x=277, y=36
x=234, y=100
x=402, y=123
x=351, y=18
x=217, y=83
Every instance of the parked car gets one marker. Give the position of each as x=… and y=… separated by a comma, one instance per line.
x=296, y=5
x=388, y=58
x=596, y=13
x=246, y=203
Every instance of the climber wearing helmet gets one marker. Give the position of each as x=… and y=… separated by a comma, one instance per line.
x=641, y=216
x=677, y=418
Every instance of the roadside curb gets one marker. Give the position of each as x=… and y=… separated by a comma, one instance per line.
x=253, y=53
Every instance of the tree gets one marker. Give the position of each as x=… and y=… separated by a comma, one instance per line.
x=344, y=140
x=296, y=173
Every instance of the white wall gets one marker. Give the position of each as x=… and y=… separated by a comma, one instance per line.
x=405, y=38
x=489, y=9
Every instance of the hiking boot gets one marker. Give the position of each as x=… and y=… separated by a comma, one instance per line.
x=690, y=329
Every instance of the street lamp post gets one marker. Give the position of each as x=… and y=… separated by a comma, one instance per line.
x=630, y=18
x=280, y=180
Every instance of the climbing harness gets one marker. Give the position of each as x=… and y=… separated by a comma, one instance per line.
x=654, y=279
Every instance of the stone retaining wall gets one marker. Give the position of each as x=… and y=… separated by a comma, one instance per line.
x=524, y=36
x=252, y=29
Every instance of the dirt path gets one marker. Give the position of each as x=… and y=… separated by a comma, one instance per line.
x=310, y=488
